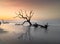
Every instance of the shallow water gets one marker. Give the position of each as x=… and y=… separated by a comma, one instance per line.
x=14, y=34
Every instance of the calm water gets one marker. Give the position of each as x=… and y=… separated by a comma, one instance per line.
x=14, y=34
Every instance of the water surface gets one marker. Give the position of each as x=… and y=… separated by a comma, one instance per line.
x=14, y=34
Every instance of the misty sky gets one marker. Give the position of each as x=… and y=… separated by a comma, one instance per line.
x=43, y=9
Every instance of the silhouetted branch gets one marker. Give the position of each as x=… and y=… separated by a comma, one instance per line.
x=24, y=22
x=17, y=16
x=26, y=14
x=27, y=17
x=31, y=14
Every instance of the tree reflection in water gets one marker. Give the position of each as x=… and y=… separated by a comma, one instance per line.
x=27, y=35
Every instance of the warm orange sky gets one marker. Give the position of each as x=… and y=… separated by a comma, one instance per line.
x=42, y=9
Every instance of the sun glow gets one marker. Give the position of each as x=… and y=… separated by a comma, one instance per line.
x=42, y=11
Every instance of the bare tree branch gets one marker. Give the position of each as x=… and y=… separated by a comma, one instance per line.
x=26, y=14
x=24, y=22
x=21, y=15
x=31, y=14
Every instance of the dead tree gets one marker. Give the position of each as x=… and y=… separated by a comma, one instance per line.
x=27, y=16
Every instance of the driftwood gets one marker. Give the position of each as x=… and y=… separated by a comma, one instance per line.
x=45, y=26
x=5, y=22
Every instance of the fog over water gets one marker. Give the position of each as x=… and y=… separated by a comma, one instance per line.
x=15, y=34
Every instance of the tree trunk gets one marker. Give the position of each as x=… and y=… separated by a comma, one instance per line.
x=29, y=22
